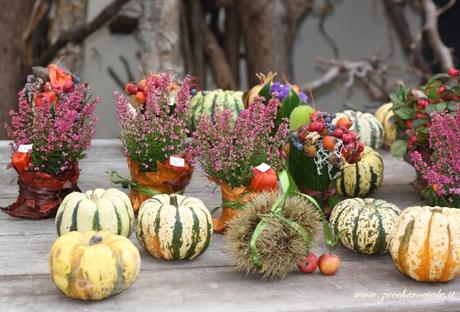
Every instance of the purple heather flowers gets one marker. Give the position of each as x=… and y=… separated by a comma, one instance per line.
x=60, y=132
x=442, y=173
x=229, y=150
x=155, y=130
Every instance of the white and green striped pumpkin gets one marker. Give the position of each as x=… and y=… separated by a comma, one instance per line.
x=369, y=129
x=363, y=177
x=99, y=210
x=386, y=117
x=207, y=102
x=366, y=224
x=173, y=226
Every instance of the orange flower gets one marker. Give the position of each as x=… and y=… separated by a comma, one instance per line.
x=58, y=76
x=50, y=95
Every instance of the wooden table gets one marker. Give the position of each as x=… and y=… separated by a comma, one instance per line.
x=363, y=283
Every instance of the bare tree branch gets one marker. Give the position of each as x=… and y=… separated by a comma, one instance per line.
x=79, y=34
x=440, y=50
x=395, y=12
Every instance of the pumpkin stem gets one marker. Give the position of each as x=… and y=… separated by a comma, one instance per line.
x=173, y=200
x=95, y=239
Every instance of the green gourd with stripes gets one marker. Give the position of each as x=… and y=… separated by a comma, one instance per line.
x=174, y=227
x=366, y=224
x=369, y=129
x=363, y=177
x=207, y=102
x=99, y=210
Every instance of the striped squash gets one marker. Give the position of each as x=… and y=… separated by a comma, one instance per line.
x=93, y=265
x=99, y=210
x=366, y=224
x=369, y=129
x=174, y=227
x=361, y=178
x=425, y=243
x=386, y=117
x=207, y=102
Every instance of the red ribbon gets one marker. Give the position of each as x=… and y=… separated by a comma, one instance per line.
x=324, y=195
x=40, y=194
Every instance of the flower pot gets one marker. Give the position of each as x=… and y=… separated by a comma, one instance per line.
x=165, y=180
x=233, y=199
x=320, y=185
x=40, y=194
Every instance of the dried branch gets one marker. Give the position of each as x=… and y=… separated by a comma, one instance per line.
x=395, y=12
x=369, y=71
x=440, y=50
x=79, y=34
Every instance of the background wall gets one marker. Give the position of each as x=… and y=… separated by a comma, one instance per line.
x=358, y=27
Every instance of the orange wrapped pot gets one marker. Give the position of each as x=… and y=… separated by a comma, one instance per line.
x=233, y=199
x=165, y=180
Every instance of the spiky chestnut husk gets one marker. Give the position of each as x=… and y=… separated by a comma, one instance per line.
x=280, y=247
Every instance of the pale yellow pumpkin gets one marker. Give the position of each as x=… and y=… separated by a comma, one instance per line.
x=387, y=118
x=425, y=243
x=93, y=265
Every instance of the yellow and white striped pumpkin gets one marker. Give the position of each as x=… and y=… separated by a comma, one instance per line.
x=386, y=117
x=363, y=177
x=366, y=224
x=93, y=265
x=369, y=129
x=99, y=210
x=425, y=243
x=174, y=227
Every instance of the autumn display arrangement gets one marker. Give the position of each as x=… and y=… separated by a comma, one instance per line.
x=243, y=156
x=318, y=150
x=51, y=131
x=153, y=120
x=281, y=166
x=425, y=125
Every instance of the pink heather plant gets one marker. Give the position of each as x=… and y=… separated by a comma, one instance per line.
x=60, y=132
x=229, y=151
x=443, y=172
x=158, y=129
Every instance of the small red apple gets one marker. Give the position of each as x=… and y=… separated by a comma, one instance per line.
x=328, y=264
x=308, y=264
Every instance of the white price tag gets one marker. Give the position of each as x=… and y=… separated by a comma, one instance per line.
x=177, y=161
x=263, y=167
x=25, y=148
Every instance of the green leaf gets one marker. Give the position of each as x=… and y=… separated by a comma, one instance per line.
x=441, y=106
x=287, y=106
x=265, y=91
x=419, y=93
x=422, y=130
x=437, y=77
x=399, y=148
x=453, y=106
x=399, y=97
x=434, y=89
x=419, y=122
x=404, y=113
x=430, y=108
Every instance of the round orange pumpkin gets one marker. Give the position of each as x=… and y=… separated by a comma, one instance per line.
x=425, y=243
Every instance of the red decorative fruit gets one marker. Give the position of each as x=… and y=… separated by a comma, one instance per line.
x=328, y=264
x=329, y=142
x=343, y=122
x=408, y=123
x=441, y=89
x=338, y=133
x=422, y=103
x=131, y=88
x=264, y=181
x=420, y=115
x=316, y=126
x=140, y=97
x=309, y=264
x=68, y=86
x=453, y=72
x=346, y=138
